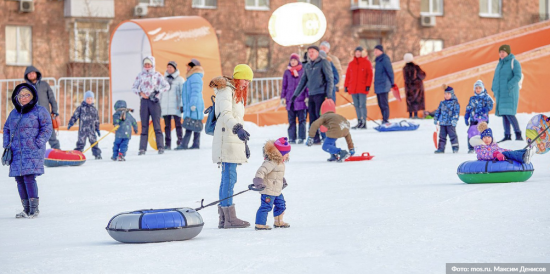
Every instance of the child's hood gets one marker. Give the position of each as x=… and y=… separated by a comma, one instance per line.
x=272, y=153
x=120, y=104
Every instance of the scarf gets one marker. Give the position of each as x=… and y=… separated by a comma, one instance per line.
x=170, y=79
x=294, y=70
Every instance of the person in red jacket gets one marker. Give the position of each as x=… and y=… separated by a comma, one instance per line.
x=358, y=82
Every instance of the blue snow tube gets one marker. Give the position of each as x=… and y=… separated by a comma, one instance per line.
x=480, y=172
x=155, y=225
x=401, y=126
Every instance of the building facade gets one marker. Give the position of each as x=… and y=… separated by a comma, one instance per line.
x=71, y=37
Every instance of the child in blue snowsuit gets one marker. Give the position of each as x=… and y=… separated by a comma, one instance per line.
x=270, y=181
x=477, y=111
x=446, y=117
x=126, y=122
x=88, y=125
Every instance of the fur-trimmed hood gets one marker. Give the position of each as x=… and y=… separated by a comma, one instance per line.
x=272, y=153
x=195, y=69
x=221, y=82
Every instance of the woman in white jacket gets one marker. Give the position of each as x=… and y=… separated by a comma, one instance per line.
x=170, y=104
x=228, y=147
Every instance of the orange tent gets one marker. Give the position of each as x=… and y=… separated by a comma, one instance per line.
x=167, y=39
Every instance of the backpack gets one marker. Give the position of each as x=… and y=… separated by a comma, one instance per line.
x=211, y=120
x=520, y=83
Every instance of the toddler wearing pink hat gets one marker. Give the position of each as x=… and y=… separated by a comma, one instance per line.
x=270, y=182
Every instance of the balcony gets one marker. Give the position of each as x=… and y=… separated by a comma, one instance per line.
x=374, y=19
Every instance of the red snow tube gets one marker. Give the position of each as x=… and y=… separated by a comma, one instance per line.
x=56, y=157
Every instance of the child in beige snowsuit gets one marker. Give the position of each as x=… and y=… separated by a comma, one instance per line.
x=270, y=181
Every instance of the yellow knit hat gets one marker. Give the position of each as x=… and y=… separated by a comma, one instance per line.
x=243, y=72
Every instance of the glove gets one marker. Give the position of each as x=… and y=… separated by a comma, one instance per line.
x=283, y=102
x=309, y=142
x=352, y=151
x=181, y=109
x=193, y=108
x=346, y=89
x=368, y=89
x=499, y=156
x=241, y=133
x=98, y=133
x=135, y=131
x=306, y=101
x=70, y=126
x=257, y=184
x=284, y=183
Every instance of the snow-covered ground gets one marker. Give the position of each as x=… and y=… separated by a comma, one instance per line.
x=406, y=211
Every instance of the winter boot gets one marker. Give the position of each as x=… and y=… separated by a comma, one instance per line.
x=98, y=157
x=344, y=154
x=114, y=158
x=121, y=157
x=222, y=218
x=262, y=227
x=471, y=151
x=333, y=158
x=359, y=124
x=161, y=151
x=363, y=124
x=25, y=212
x=292, y=142
x=279, y=222
x=33, y=208
x=300, y=141
x=507, y=137
x=528, y=155
x=439, y=151
x=141, y=152
x=518, y=136
x=455, y=149
x=231, y=220
x=167, y=148
x=180, y=147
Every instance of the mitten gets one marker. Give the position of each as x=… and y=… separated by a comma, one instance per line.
x=98, y=133
x=257, y=184
x=466, y=121
x=499, y=156
x=284, y=183
x=193, y=108
x=241, y=133
x=352, y=151
x=70, y=126
x=309, y=141
x=135, y=131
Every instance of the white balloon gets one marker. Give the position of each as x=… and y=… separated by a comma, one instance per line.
x=297, y=24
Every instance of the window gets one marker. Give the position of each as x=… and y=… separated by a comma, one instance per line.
x=256, y=4
x=375, y=4
x=153, y=3
x=18, y=45
x=313, y=2
x=490, y=8
x=431, y=7
x=205, y=4
x=544, y=9
x=258, y=54
x=428, y=46
x=369, y=44
x=90, y=42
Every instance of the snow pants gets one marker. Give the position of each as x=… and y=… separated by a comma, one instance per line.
x=314, y=109
x=120, y=146
x=229, y=179
x=360, y=104
x=330, y=146
x=26, y=185
x=149, y=108
x=443, y=132
x=384, y=106
x=168, y=129
x=266, y=206
x=301, y=115
x=82, y=135
x=516, y=155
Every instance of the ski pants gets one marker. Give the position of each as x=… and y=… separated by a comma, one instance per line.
x=120, y=146
x=330, y=146
x=82, y=135
x=168, y=129
x=360, y=104
x=314, y=109
x=443, y=132
x=510, y=119
x=516, y=155
x=229, y=179
x=384, y=106
x=152, y=109
x=266, y=206
x=301, y=115
x=26, y=185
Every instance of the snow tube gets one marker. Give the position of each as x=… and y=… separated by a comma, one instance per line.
x=57, y=157
x=155, y=225
x=481, y=172
x=401, y=126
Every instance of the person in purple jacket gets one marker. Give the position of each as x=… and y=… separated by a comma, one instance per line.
x=487, y=150
x=26, y=131
x=298, y=108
